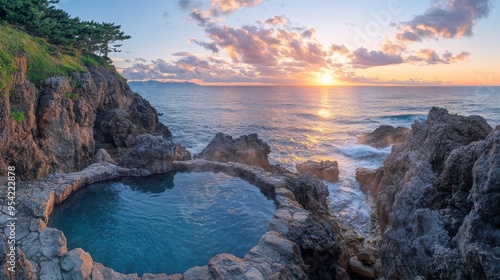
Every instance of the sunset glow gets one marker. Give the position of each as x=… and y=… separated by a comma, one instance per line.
x=277, y=43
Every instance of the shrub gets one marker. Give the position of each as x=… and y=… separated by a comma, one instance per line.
x=17, y=115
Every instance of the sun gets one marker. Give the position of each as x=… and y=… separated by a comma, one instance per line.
x=326, y=79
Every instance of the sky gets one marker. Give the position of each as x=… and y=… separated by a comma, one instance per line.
x=315, y=42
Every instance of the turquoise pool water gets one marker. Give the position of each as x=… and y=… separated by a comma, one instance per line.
x=164, y=223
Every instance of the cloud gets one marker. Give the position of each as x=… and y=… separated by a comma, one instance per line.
x=362, y=58
x=186, y=5
x=200, y=17
x=340, y=49
x=445, y=19
x=140, y=60
x=224, y=7
x=277, y=20
x=165, y=14
x=431, y=57
x=209, y=46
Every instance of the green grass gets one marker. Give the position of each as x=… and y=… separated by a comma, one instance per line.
x=72, y=96
x=44, y=60
x=17, y=115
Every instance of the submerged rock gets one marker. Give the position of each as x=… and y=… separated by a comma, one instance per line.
x=324, y=170
x=384, y=135
x=436, y=199
x=248, y=149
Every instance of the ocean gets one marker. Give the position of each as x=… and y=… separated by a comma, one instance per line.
x=318, y=123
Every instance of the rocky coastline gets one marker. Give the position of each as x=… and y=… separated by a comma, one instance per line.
x=436, y=196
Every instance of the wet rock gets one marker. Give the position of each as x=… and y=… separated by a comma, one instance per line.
x=324, y=170
x=76, y=264
x=248, y=149
x=384, y=135
x=365, y=176
x=435, y=200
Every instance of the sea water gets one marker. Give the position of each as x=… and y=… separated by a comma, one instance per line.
x=318, y=123
x=164, y=223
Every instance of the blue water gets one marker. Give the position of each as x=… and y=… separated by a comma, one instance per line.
x=301, y=123
x=164, y=223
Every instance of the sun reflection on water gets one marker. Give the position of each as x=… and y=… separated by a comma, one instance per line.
x=324, y=113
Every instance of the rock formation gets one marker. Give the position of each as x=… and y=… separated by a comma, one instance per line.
x=437, y=201
x=384, y=136
x=65, y=119
x=248, y=149
x=324, y=170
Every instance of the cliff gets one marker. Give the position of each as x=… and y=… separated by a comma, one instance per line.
x=59, y=125
x=437, y=201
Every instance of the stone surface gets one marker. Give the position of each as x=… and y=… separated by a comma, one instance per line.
x=435, y=201
x=53, y=243
x=76, y=264
x=384, y=135
x=360, y=269
x=324, y=170
x=248, y=149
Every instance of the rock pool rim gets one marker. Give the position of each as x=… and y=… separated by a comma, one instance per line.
x=234, y=215
x=289, y=215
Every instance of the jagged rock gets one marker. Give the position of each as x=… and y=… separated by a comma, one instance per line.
x=384, y=136
x=310, y=193
x=436, y=198
x=72, y=115
x=365, y=176
x=153, y=154
x=324, y=170
x=76, y=264
x=248, y=149
x=102, y=156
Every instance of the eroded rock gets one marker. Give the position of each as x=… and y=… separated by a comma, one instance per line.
x=248, y=149
x=324, y=170
x=384, y=135
x=437, y=219
x=76, y=264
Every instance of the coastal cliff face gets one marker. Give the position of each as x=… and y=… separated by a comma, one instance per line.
x=437, y=201
x=60, y=123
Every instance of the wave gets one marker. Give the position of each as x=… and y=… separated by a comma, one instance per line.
x=363, y=151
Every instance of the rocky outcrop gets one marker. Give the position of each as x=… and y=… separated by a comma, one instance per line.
x=436, y=200
x=365, y=177
x=384, y=135
x=60, y=123
x=248, y=149
x=153, y=154
x=324, y=170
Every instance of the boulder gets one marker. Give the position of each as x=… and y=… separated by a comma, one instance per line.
x=324, y=170
x=76, y=264
x=248, y=149
x=384, y=135
x=435, y=201
x=53, y=243
x=153, y=154
x=365, y=176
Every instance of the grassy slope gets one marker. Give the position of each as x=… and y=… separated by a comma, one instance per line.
x=44, y=59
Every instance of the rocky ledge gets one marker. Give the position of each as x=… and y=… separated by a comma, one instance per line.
x=437, y=199
x=384, y=135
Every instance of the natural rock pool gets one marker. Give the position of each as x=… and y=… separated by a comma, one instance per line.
x=164, y=223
